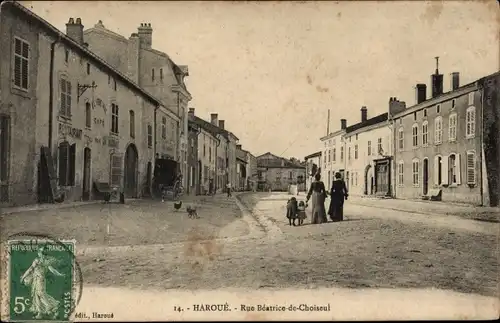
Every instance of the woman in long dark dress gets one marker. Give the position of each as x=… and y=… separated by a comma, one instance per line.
x=317, y=194
x=338, y=194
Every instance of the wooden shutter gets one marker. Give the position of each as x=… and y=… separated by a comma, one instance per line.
x=63, y=163
x=71, y=165
x=68, y=98
x=116, y=170
x=458, y=169
x=62, y=109
x=436, y=170
x=471, y=168
x=473, y=121
x=445, y=172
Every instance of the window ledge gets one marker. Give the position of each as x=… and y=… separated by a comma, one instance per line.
x=471, y=185
x=114, y=134
x=20, y=91
x=470, y=137
x=88, y=128
x=64, y=119
x=452, y=140
x=453, y=185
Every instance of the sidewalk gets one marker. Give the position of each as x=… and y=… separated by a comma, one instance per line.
x=487, y=214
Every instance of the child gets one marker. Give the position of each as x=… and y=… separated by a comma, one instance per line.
x=291, y=210
x=301, y=212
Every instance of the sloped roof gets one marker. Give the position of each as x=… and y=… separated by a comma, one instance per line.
x=370, y=122
x=276, y=162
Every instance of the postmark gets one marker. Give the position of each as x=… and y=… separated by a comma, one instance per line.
x=44, y=278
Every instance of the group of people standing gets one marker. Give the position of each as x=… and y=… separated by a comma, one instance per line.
x=318, y=194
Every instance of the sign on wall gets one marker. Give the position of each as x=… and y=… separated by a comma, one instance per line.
x=68, y=130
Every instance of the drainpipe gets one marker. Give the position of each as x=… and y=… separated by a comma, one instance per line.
x=216, y=157
x=393, y=169
x=51, y=91
x=481, y=143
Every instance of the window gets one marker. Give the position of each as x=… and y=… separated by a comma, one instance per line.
x=454, y=169
x=88, y=68
x=471, y=98
x=21, y=63
x=65, y=108
x=356, y=151
x=114, y=118
x=150, y=136
x=109, y=79
x=453, y=102
x=425, y=133
x=415, y=171
x=114, y=84
x=415, y=116
x=414, y=131
x=152, y=74
x=401, y=139
x=334, y=154
x=369, y=147
x=438, y=170
x=438, y=108
x=425, y=112
x=290, y=175
x=379, y=146
x=341, y=154
x=400, y=173
x=210, y=154
x=356, y=136
x=115, y=169
x=66, y=55
x=470, y=118
x=204, y=150
x=438, y=130
x=325, y=155
x=88, y=115
x=329, y=156
x=356, y=179
x=349, y=154
x=161, y=73
x=132, y=123
x=66, y=163
x=452, y=127
x=471, y=168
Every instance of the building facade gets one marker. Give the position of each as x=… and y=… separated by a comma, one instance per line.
x=277, y=173
x=92, y=123
x=241, y=168
x=192, y=187
x=368, y=159
x=313, y=166
x=439, y=144
x=152, y=70
x=333, y=154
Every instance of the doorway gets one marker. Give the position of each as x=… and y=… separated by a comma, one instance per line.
x=425, y=176
x=131, y=156
x=149, y=175
x=86, y=174
x=368, y=181
x=198, y=186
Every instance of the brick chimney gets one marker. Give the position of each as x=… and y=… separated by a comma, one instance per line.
x=145, y=33
x=221, y=124
x=364, y=114
x=74, y=30
x=455, y=78
x=396, y=106
x=214, y=119
x=437, y=81
x=343, y=124
x=420, y=93
x=191, y=112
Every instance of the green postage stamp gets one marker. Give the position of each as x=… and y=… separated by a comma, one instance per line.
x=41, y=280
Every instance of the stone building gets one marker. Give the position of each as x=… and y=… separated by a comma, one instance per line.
x=153, y=70
x=276, y=173
x=313, y=166
x=368, y=148
x=193, y=171
x=440, y=142
x=68, y=118
x=241, y=168
x=333, y=154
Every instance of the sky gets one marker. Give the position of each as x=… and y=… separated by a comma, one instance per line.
x=272, y=70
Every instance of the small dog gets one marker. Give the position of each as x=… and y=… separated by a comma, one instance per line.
x=192, y=212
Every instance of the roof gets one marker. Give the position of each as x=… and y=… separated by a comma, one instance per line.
x=276, y=162
x=316, y=154
x=370, y=122
x=86, y=52
x=207, y=126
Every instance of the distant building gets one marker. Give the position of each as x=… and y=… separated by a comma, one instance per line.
x=153, y=70
x=447, y=146
x=68, y=119
x=368, y=156
x=313, y=166
x=193, y=173
x=333, y=154
x=241, y=168
x=277, y=173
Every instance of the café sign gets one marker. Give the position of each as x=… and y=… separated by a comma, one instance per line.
x=68, y=130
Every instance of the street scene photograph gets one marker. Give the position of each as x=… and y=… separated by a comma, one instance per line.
x=249, y=161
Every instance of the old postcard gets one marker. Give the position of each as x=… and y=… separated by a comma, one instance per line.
x=249, y=161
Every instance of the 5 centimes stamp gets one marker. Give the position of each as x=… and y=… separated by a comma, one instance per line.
x=41, y=274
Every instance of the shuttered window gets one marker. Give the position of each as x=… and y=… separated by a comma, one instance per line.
x=414, y=131
x=452, y=128
x=416, y=172
x=21, y=63
x=470, y=122
x=116, y=169
x=150, y=136
x=88, y=115
x=471, y=168
x=4, y=157
x=114, y=118
x=438, y=170
x=65, y=92
x=401, y=139
x=400, y=173
x=132, y=123
x=438, y=130
x=164, y=128
x=425, y=133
